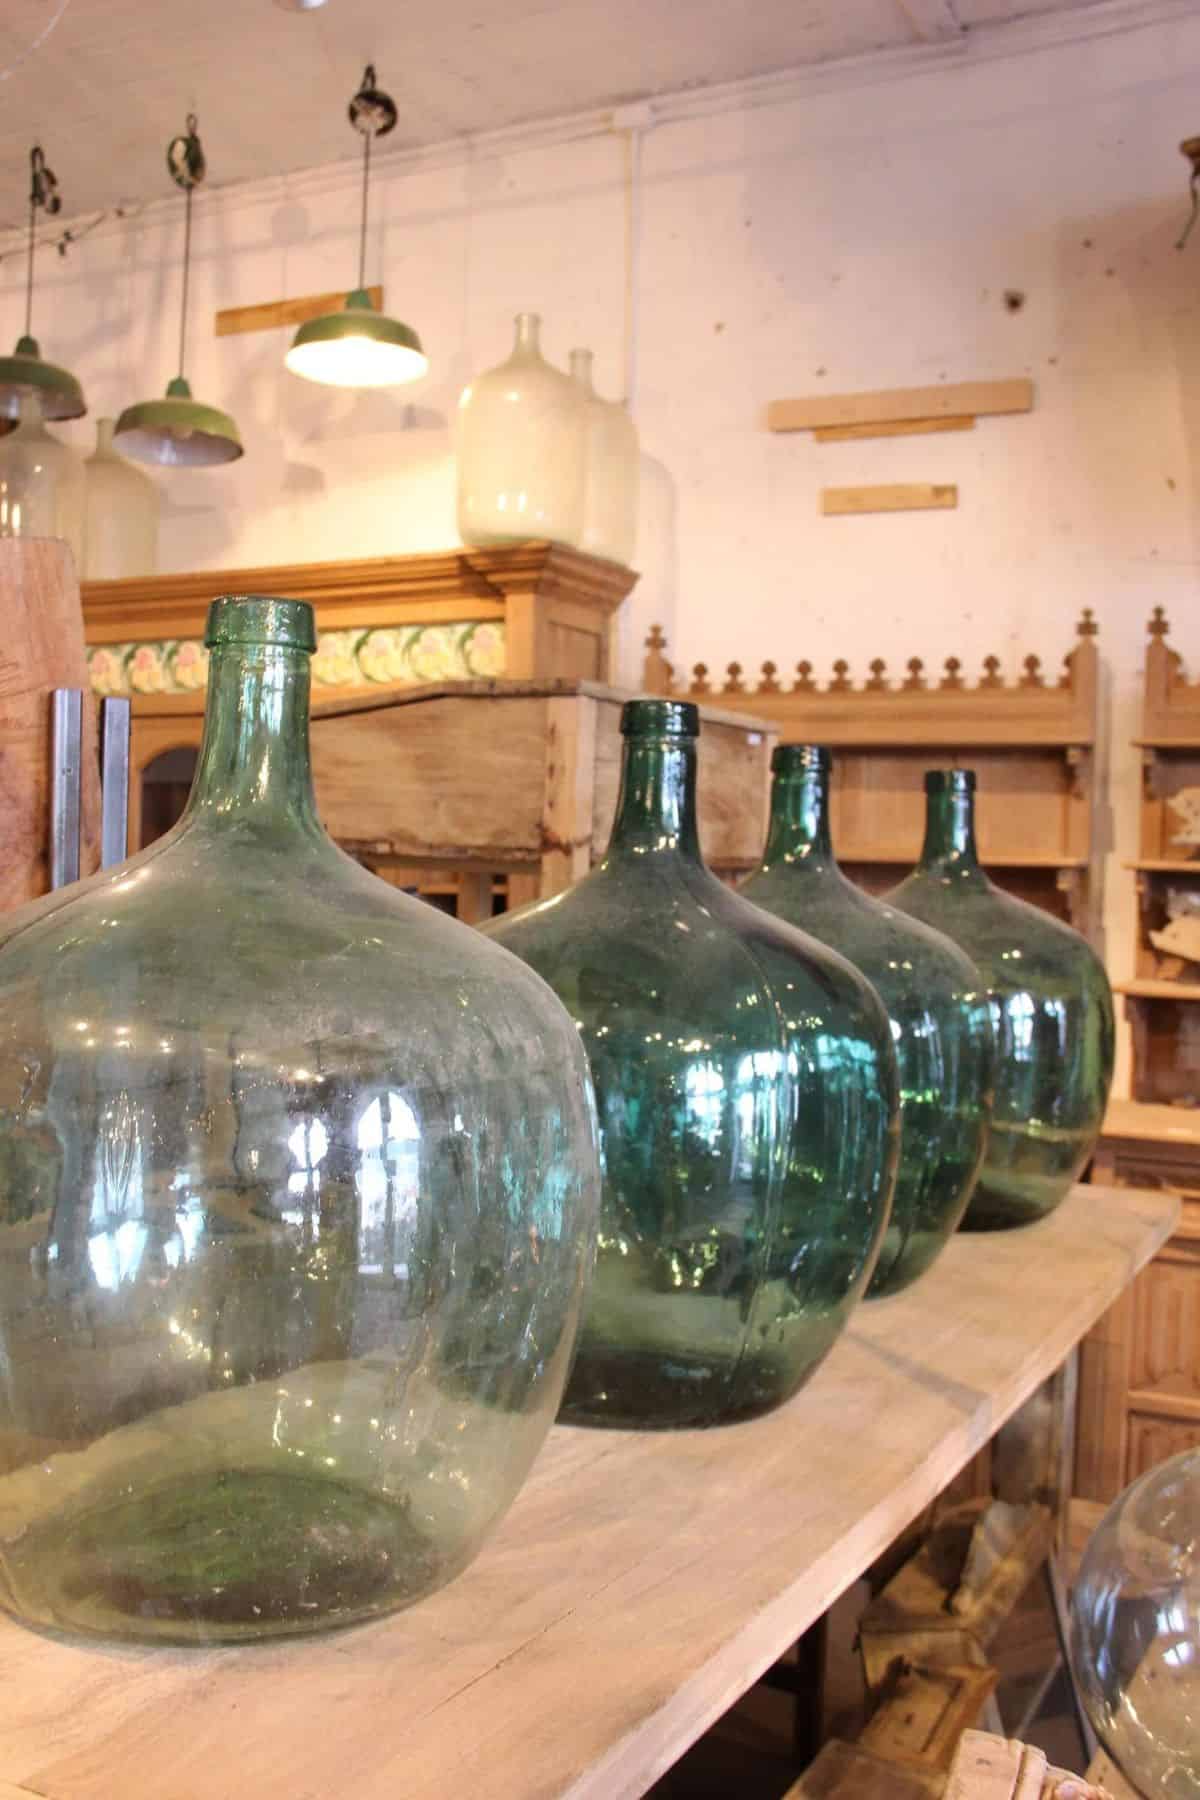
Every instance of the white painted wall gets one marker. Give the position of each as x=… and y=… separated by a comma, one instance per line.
x=858, y=233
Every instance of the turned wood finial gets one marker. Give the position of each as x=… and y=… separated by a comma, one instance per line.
x=915, y=678
x=953, y=676
x=992, y=677
x=733, y=684
x=768, y=684
x=841, y=669
x=1087, y=626
x=877, y=684
x=1033, y=672
x=700, y=679
x=657, y=673
x=1159, y=623
x=804, y=683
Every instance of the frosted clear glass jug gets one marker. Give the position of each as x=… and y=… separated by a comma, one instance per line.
x=122, y=514
x=41, y=483
x=610, y=486
x=521, y=449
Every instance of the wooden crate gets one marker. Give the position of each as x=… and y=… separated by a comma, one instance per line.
x=516, y=778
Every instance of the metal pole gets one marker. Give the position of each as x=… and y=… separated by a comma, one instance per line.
x=114, y=782
x=66, y=762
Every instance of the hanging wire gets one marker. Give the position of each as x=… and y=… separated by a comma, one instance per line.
x=362, y=231
x=187, y=262
x=39, y=40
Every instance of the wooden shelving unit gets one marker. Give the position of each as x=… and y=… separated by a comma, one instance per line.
x=1139, y=1396
x=1030, y=741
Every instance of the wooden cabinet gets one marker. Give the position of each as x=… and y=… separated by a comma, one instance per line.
x=1030, y=741
x=1139, y=1395
x=1139, y=1374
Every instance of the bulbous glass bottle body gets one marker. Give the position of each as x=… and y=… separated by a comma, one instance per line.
x=935, y=998
x=746, y=1088
x=1135, y=1630
x=299, y=1183
x=1051, y=1010
x=611, y=467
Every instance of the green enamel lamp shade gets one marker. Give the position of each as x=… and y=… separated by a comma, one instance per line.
x=357, y=348
x=25, y=372
x=178, y=432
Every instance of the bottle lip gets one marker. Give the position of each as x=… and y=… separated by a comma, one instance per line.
x=261, y=619
x=660, y=719
x=801, y=759
x=949, y=781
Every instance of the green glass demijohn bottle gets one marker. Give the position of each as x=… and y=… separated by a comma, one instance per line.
x=746, y=1087
x=299, y=1184
x=1051, y=1009
x=935, y=998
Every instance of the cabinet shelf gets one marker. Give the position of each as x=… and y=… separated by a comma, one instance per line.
x=1165, y=865
x=1158, y=990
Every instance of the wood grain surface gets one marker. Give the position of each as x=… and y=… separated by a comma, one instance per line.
x=640, y=1583
x=42, y=649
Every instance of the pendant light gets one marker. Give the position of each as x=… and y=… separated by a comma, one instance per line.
x=24, y=372
x=359, y=347
x=180, y=432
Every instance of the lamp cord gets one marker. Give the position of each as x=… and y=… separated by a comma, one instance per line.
x=362, y=234
x=33, y=202
x=187, y=259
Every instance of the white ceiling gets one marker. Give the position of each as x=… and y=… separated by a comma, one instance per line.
x=113, y=80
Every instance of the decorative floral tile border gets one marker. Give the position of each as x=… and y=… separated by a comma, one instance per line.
x=399, y=654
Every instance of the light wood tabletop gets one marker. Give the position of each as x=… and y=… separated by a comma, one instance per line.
x=640, y=1583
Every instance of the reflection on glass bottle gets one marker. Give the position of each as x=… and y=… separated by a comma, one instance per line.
x=1135, y=1630
x=41, y=483
x=748, y=1112
x=1051, y=1009
x=299, y=1185
x=935, y=998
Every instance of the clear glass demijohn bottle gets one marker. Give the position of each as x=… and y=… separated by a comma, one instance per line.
x=41, y=483
x=746, y=1086
x=935, y=997
x=520, y=449
x=1051, y=1010
x=298, y=1188
x=610, y=489
x=122, y=513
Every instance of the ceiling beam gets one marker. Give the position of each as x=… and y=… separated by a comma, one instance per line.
x=932, y=21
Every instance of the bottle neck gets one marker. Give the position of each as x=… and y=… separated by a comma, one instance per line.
x=104, y=437
x=528, y=341
x=581, y=371
x=29, y=413
x=254, y=758
x=950, y=830
x=656, y=808
x=798, y=831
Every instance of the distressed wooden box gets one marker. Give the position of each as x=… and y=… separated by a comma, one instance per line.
x=514, y=777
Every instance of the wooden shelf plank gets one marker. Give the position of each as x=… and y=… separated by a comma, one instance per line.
x=1148, y=989
x=269, y=315
x=893, y=496
x=1150, y=1123
x=640, y=1583
x=956, y=399
x=1166, y=743
x=1164, y=865
x=839, y=434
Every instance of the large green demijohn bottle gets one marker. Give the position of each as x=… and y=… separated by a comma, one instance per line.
x=299, y=1184
x=935, y=998
x=746, y=1087
x=1051, y=1009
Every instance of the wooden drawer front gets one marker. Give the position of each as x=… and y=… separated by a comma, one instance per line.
x=1165, y=1359
x=1151, y=1440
